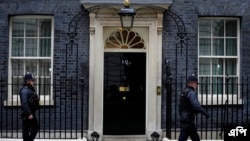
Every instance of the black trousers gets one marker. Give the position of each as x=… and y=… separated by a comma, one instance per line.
x=30, y=128
x=189, y=130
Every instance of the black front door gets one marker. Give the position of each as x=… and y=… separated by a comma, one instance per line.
x=124, y=93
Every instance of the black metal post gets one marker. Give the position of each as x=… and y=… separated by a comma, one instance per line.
x=168, y=100
x=82, y=110
x=247, y=101
x=1, y=105
x=95, y=136
x=225, y=108
x=155, y=136
x=226, y=102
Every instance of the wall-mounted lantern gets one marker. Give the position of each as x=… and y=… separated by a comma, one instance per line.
x=127, y=15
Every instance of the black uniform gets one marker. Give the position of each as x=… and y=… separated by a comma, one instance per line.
x=188, y=108
x=29, y=104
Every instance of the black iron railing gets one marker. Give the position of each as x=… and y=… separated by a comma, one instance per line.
x=227, y=109
x=62, y=112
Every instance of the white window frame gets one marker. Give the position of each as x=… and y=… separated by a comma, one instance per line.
x=14, y=99
x=220, y=99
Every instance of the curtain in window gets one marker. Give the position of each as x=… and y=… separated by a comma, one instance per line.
x=45, y=79
x=204, y=66
x=31, y=47
x=45, y=40
x=41, y=67
x=231, y=47
x=204, y=85
x=45, y=47
x=205, y=28
x=231, y=28
x=45, y=28
x=218, y=28
x=232, y=85
x=231, y=66
x=17, y=47
x=17, y=37
x=217, y=66
x=217, y=85
x=205, y=47
x=218, y=46
x=218, y=55
x=31, y=28
x=31, y=37
x=17, y=28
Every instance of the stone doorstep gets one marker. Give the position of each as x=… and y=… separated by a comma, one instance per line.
x=124, y=138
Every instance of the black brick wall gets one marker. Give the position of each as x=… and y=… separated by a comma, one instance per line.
x=63, y=12
x=71, y=70
x=189, y=11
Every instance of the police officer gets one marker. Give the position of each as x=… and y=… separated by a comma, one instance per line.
x=188, y=108
x=29, y=104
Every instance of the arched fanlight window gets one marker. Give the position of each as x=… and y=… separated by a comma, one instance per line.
x=124, y=39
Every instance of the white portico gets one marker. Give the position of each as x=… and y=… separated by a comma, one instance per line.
x=104, y=27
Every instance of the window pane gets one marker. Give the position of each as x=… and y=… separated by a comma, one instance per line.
x=45, y=28
x=44, y=67
x=204, y=85
x=218, y=46
x=205, y=46
x=231, y=47
x=217, y=66
x=31, y=66
x=218, y=55
x=17, y=83
x=231, y=66
x=45, y=47
x=204, y=67
x=31, y=28
x=44, y=86
x=204, y=28
x=231, y=28
x=218, y=28
x=17, y=67
x=31, y=47
x=124, y=39
x=17, y=47
x=217, y=85
x=31, y=37
x=17, y=28
x=232, y=87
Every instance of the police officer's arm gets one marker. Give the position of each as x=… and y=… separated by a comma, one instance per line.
x=24, y=101
x=195, y=103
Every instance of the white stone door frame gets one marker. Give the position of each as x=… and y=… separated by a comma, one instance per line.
x=98, y=21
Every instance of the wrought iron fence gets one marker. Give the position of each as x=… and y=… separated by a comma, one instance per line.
x=227, y=108
x=62, y=113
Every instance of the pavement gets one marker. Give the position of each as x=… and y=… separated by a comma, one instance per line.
x=84, y=139
x=5, y=139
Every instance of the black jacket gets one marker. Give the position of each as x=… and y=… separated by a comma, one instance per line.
x=189, y=105
x=29, y=100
